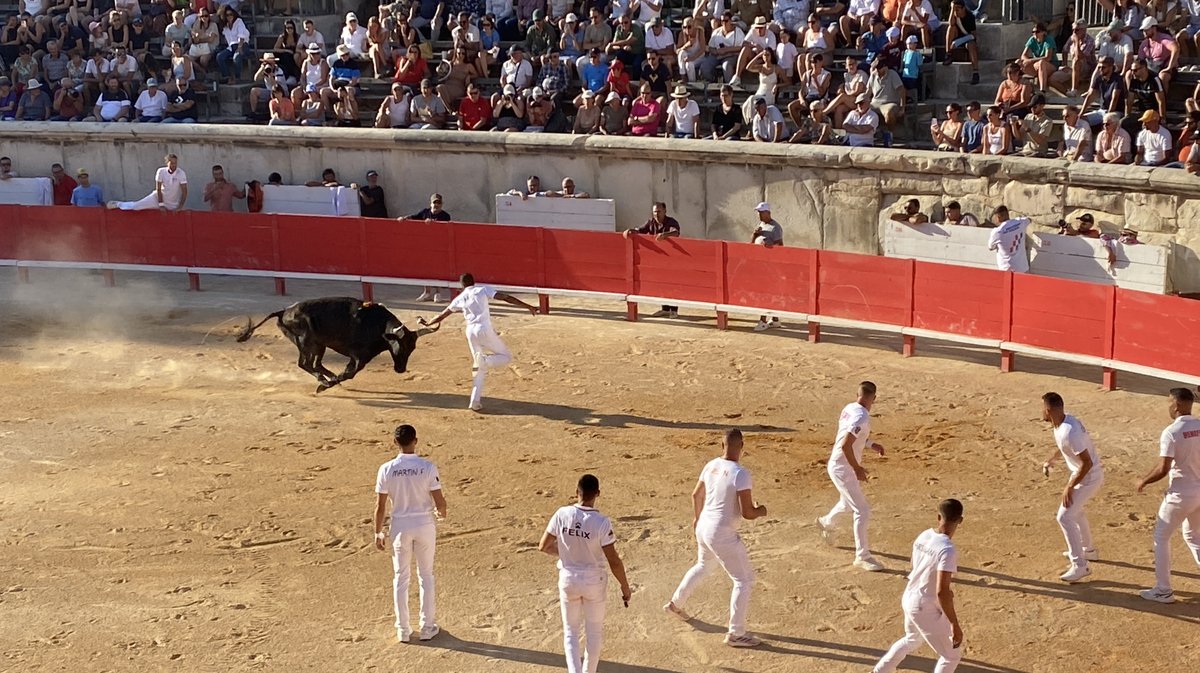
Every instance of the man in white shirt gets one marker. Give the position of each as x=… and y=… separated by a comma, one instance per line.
x=415, y=489
x=310, y=36
x=759, y=39
x=170, y=190
x=151, y=104
x=1077, y=144
x=1008, y=241
x=721, y=499
x=846, y=470
x=1079, y=453
x=857, y=19
x=516, y=71
x=125, y=66
x=487, y=350
x=583, y=541
x=1179, y=457
x=861, y=123
x=723, y=49
x=683, y=115
x=1153, y=141
x=928, y=601
x=766, y=124
x=355, y=37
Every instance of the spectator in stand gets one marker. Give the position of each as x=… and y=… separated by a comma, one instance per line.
x=918, y=19
x=789, y=15
x=893, y=49
x=474, y=112
x=1113, y=142
x=628, y=45
x=6, y=169
x=813, y=40
x=516, y=71
x=538, y=111
x=683, y=115
x=411, y=67
x=1033, y=132
x=997, y=139
x=596, y=37
x=972, y=130
x=328, y=179
x=453, y=86
x=956, y=217
x=555, y=73
x=1129, y=12
x=508, y=110
x=314, y=71
x=170, y=190
x=661, y=228
x=1080, y=51
x=1077, y=144
x=182, y=106
x=346, y=71
x=857, y=19
x=911, y=214
x=533, y=187
x=237, y=47
x=910, y=68
x=827, y=12
x=1186, y=38
x=1013, y=95
x=760, y=39
x=1108, y=89
x=1153, y=142
x=393, y=111
x=874, y=40
x=812, y=126
x=947, y=136
x=656, y=72
x=861, y=123
x=312, y=109
x=68, y=103
x=728, y=122
x=489, y=46
x=541, y=35
x=645, y=113
x=345, y=109
x=888, y=97
x=614, y=118
x=854, y=82
x=427, y=110
x=568, y=191
x=587, y=116
x=1146, y=92
x=433, y=213
x=64, y=185
x=619, y=81
x=1192, y=162
x=281, y=108
x=660, y=39
x=786, y=55
x=960, y=34
x=723, y=49
x=54, y=63
x=766, y=123
x=1085, y=229
x=525, y=10
x=125, y=67
x=504, y=12
x=86, y=194
x=1116, y=44
x=771, y=77
x=151, y=105
x=372, y=201
x=309, y=37
x=220, y=193
x=354, y=37
x=1039, y=59
x=571, y=43
x=113, y=103
x=1008, y=241
x=646, y=11
x=594, y=73
x=206, y=38
x=1160, y=51
x=34, y=104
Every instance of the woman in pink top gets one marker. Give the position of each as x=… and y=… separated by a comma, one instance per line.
x=645, y=113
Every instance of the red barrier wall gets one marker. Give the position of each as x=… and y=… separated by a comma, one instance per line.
x=779, y=278
x=503, y=255
x=310, y=245
x=960, y=300
x=233, y=240
x=10, y=231
x=1156, y=331
x=1061, y=315
x=146, y=237
x=678, y=268
x=406, y=249
x=60, y=234
x=865, y=287
x=585, y=260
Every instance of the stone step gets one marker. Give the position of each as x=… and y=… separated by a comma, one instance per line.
x=1002, y=42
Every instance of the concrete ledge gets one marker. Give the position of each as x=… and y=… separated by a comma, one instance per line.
x=770, y=312
x=945, y=336
x=855, y=324
x=155, y=268
x=37, y=264
x=1052, y=355
x=1152, y=371
x=253, y=273
x=583, y=294
x=303, y=275
x=681, y=303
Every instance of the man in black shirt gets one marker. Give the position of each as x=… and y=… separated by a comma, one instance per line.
x=181, y=108
x=657, y=73
x=727, y=120
x=1108, y=88
x=372, y=202
x=660, y=227
x=1145, y=93
x=433, y=213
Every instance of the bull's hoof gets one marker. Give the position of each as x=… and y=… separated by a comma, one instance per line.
x=323, y=387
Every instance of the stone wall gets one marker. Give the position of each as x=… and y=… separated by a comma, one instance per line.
x=826, y=197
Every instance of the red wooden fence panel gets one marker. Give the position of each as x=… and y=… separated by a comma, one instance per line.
x=584, y=260
x=1061, y=315
x=959, y=300
x=1157, y=331
x=778, y=278
x=407, y=249
x=234, y=240
x=60, y=234
x=498, y=254
x=147, y=237
x=865, y=287
x=320, y=244
x=678, y=268
x=10, y=231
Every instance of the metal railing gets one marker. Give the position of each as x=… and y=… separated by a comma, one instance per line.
x=1022, y=10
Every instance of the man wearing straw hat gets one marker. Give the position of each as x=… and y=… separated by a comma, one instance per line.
x=683, y=115
x=34, y=105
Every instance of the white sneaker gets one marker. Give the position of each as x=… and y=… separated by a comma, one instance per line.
x=762, y=326
x=868, y=564
x=736, y=82
x=403, y=635
x=437, y=297
x=670, y=609
x=826, y=532
x=744, y=640
x=1088, y=554
x=475, y=407
x=673, y=314
x=425, y=296
x=1158, y=595
x=1075, y=574
x=428, y=632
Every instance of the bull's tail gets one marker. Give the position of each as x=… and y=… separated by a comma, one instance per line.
x=248, y=331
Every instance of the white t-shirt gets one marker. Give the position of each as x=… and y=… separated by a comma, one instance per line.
x=356, y=40
x=646, y=12
x=1073, y=441
x=933, y=553
x=855, y=420
x=868, y=118
x=520, y=74
x=409, y=479
x=1154, y=144
x=1008, y=240
x=582, y=534
x=96, y=70
x=766, y=41
x=665, y=41
x=684, y=115
x=152, y=106
x=122, y=66
x=1079, y=135
x=720, y=41
x=172, y=185
x=856, y=82
x=863, y=7
x=473, y=302
x=723, y=479
x=1181, y=441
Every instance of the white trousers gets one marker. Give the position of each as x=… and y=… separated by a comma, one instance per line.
x=582, y=603
x=851, y=499
x=148, y=202
x=1073, y=520
x=923, y=623
x=487, y=351
x=418, y=542
x=726, y=549
x=1178, y=509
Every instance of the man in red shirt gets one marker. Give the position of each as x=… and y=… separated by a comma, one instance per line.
x=475, y=111
x=63, y=185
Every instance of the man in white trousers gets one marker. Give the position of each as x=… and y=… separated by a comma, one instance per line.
x=583, y=541
x=413, y=485
x=721, y=499
x=846, y=470
x=487, y=350
x=928, y=600
x=170, y=190
x=1179, y=457
x=1079, y=453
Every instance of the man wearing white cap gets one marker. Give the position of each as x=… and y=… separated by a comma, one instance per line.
x=170, y=190
x=354, y=36
x=861, y=123
x=683, y=115
x=151, y=103
x=34, y=104
x=768, y=234
x=1160, y=50
x=587, y=116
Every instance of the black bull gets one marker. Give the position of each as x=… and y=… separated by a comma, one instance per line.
x=357, y=329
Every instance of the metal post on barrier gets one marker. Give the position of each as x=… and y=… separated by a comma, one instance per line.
x=193, y=282
x=814, y=298
x=631, y=307
x=544, y=303
x=109, y=279
x=368, y=291
x=280, y=287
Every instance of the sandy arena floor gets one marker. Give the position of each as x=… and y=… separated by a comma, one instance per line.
x=175, y=501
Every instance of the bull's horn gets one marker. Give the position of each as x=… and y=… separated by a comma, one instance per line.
x=398, y=329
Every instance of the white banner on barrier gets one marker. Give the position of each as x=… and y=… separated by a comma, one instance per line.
x=557, y=213
x=27, y=192
x=942, y=243
x=302, y=200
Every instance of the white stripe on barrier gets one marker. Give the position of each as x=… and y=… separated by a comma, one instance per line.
x=855, y=324
x=774, y=313
x=144, y=267
x=583, y=294
x=1052, y=355
x=420, y=282
x=232, y=272
x=1152, y=371
x=8, y=262
x=304, y=275
x=663, y=301
x=518, y=289
x=57, y=265
x=946, y=336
